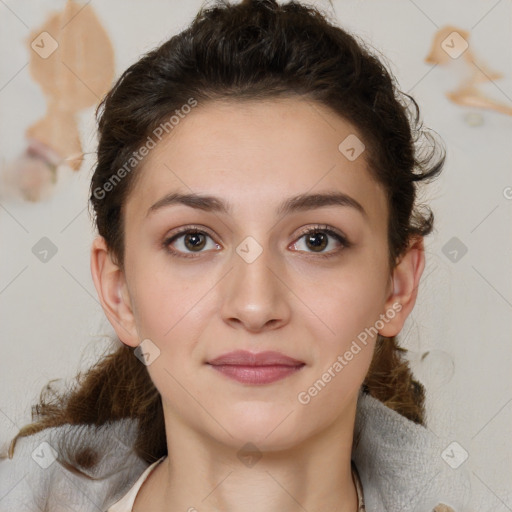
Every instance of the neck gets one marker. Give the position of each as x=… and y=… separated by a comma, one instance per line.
x=202, y=475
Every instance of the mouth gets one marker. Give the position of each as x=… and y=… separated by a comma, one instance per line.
x=256, y=368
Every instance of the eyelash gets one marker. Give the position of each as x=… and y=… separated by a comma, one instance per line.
x=317, y=229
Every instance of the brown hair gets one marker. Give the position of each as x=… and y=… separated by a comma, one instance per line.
x=256, y=49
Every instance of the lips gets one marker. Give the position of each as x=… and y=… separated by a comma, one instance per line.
x=245, y=358
x=260, y=368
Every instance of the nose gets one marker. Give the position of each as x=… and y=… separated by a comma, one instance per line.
x=255, y=295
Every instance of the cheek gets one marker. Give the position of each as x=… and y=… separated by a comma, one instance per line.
x=155, y=290
x=344, y=345
x=345, y=330
x=156, y=306
x=169, y=305
x=349, y=304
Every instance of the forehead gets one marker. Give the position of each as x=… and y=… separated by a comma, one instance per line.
x=257, y=153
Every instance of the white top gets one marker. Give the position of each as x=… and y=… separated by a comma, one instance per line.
x=125, y=504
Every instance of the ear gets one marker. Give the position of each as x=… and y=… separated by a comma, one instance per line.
x=112, y=290
x=404, y=288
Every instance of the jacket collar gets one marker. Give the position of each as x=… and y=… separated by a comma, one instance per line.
x=400, y=463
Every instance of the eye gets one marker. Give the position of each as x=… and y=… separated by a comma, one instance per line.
x=188, y=239
x=191, y=239
x=317, y=239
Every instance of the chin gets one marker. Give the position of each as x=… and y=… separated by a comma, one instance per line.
x=268, y=430
x=244, y=441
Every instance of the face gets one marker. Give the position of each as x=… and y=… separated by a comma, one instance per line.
x=201, y=280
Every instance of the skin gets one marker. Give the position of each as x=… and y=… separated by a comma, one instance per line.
x=289, y=299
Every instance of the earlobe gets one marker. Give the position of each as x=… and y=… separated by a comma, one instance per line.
x=404, y=288
x=110, y=285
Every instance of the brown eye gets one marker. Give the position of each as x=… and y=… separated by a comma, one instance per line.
x=187, y=242
x=317, y=239
x=194, y=241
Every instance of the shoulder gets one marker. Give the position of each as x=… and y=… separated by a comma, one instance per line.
x=401, y=465
x=37, y=477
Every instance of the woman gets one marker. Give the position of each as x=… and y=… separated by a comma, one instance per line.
x=259, y=250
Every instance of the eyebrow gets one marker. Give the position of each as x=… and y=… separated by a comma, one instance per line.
x=301, y=202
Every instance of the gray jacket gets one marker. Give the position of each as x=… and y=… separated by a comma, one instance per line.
x=403, y=467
